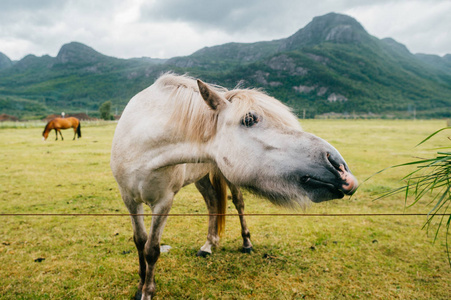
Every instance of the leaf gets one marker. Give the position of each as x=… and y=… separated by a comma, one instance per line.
x=433, y=134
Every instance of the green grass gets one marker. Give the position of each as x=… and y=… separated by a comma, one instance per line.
x=295, y=257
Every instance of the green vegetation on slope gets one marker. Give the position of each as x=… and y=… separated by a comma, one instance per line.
x=331, y=65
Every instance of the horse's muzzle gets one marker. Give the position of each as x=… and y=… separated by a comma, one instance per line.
x=350, y=183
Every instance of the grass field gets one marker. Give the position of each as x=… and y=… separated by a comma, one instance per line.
x=86, y=257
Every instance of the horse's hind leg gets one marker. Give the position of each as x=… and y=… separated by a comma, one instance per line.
x=237, y=198
x=206, y=189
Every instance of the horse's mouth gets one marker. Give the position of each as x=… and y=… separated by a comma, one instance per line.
x=348, y=183
x=312, y=183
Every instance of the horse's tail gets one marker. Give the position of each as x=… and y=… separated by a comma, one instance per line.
x=79, y=130
x=220, y=186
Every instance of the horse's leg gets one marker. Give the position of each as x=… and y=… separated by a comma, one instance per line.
x=152, y=246
x=148, y=246
x=206, y=189
x=237, y=199
x=139, y=236
x=75, y=133
x=56, y=132
x=61, y=135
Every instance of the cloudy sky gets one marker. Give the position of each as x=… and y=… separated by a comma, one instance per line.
x=168, y=28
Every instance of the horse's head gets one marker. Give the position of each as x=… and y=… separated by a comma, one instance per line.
x=260, y=145
x=45, y=133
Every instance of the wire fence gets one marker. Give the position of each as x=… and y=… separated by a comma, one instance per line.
x=227, y=215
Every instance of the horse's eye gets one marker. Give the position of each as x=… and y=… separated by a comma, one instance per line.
x=249, y=120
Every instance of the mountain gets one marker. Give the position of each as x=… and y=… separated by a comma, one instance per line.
x=436, y=62
x=334, y=28
x=5, y=62
x=330, y=65
x=77, y=53
x=78, y=79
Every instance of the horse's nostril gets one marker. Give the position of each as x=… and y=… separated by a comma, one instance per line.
x=336, y=164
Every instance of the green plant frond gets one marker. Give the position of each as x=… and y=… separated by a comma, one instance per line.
x=446, y=239
x=436, y=207
x=431, y=135
x=431, y=176
x=390, y=193
x=412, y=163
x=406, y=195
x=440, y=225
x=432, y=214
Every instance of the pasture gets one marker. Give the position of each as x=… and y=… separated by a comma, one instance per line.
x=295, y=257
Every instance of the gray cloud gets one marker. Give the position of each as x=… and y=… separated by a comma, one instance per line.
x=9, y=6
x=237, y=16
x=230, y=16
x=167, y=28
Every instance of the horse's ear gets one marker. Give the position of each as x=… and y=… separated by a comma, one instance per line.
x=212, y=98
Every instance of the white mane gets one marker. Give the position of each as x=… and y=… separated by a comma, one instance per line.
x=193, y=118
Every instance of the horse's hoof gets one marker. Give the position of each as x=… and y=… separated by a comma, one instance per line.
x=138, y=295
x=201, y=253
x=247, y=250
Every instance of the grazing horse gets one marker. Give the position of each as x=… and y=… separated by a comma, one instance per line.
x=62, y=123
x=179, y=131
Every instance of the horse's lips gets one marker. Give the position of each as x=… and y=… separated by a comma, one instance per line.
x=312, y=182
x=348, y=187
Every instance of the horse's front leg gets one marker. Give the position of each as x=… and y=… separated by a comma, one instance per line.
x=139, y=237
x=209, y=194
x=56, y=132
x=237, y=198
x=152, y=246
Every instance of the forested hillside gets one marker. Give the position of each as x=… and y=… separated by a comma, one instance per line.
x=330, y=66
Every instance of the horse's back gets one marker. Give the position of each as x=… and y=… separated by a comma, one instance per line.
x=64, y=123
x=71, y=122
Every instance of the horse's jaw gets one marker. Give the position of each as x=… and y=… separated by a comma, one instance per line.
x=298, y=190
x=304, y=169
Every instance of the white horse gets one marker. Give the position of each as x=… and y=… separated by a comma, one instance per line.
x=179, y=131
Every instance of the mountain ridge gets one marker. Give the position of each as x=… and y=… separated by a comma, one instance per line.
x=330, y=65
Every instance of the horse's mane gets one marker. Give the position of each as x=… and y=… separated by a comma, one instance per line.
x=193, y=118
x=265, y=106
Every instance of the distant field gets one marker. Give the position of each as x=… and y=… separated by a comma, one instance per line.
x=85, y=257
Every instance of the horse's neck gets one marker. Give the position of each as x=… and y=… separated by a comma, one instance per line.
x=144, y=130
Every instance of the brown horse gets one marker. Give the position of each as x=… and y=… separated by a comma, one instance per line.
x=62, y=123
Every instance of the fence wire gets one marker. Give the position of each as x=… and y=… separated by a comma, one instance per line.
x=208, y=215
